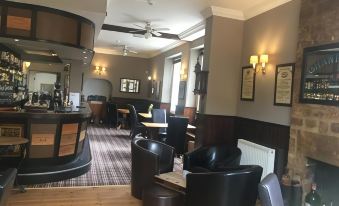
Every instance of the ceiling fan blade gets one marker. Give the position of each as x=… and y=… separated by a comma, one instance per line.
x=139, y=35
x=161, y=29
x=136, y=31
x=133, y=52
x=143, y=28
x=156, y=33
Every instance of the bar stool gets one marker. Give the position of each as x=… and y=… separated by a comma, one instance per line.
x=160, y=196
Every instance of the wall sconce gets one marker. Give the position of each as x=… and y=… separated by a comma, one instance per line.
x=254, y=60
x=149, y=78
x=99, y=70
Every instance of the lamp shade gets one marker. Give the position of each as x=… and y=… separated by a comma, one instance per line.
x=254, y=59
x=264, y=58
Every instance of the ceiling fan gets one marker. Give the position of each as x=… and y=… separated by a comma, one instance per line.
x=149, y=31
x=125, y=49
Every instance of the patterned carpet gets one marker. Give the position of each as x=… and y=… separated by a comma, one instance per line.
x=111, y=160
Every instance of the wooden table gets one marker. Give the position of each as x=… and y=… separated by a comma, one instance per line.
x=146, y=115
x=162, y=125
x=172, y=180
x=124, y=113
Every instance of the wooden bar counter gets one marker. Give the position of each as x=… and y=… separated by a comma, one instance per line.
x=57, y=147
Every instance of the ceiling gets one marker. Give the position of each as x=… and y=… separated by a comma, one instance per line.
x=177, y=15
x=182, y=17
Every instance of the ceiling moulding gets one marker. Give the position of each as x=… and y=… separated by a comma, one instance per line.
x=223, y=12
x=193, y=30
x=167, y=48
x=261, y=8
x=119, y=53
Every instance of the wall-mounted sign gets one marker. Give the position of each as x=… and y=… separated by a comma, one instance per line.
x=247, y=84
x=283, y=85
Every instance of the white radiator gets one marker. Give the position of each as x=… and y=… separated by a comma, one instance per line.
x=255, y=154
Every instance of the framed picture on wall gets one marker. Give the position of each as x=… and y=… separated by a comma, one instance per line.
x=283, y=87
x=247, y=84
x=129, y=85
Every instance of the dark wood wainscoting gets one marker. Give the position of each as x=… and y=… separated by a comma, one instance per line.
x=215, y=130
x=141, y=105
x=190, y=113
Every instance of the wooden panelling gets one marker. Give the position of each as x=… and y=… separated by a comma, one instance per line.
x=68, y=139
x=189, y=112
x=69, y=128
x=19, y=22
x=41, y=151
x=42, y=139
x=214, y=130
x=13, y=130
x=264, y=133
x=141, y=105
x=63, y=29
x=66, y=150
x=166, y=106
x=87, y=35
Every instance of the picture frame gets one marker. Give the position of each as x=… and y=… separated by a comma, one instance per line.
x=283, y=86
x=129, y=85
x=247, y=83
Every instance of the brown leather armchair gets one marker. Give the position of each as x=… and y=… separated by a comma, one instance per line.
x=213, y=158
x=7, y=179
x=234, y=187
x=149, y=158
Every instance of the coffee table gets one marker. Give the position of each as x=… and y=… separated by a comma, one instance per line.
x=172, y=180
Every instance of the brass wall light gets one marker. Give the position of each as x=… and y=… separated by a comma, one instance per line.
x=100, y=70
x=263, y=60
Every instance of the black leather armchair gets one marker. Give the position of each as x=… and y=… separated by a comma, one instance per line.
x=149, y=158
x=236, y=187
x=213, y=158
x=7, y=179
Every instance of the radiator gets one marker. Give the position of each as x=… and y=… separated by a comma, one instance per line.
x=255, y=154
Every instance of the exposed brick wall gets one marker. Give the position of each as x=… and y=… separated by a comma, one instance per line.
x=314, y=128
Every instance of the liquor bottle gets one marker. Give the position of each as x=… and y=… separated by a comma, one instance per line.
x=313, y=198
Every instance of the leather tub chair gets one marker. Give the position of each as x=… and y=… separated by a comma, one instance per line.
x=270, y=192
x=7, y=179
x=235, y=187
x=149, y=158
x=213, y=158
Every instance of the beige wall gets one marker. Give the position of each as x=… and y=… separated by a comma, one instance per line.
x=121, y=67
x=222, y=59
x=161, y=65
x=274, y=32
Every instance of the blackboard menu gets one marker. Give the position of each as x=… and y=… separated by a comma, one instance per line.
x=7, y=90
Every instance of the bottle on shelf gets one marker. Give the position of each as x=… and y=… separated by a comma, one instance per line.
x=313, y=198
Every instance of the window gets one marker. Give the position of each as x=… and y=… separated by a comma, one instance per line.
x=175, y=83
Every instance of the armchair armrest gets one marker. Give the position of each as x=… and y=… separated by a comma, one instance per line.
x=192, y=158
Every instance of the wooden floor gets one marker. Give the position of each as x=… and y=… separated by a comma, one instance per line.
x=82, y=196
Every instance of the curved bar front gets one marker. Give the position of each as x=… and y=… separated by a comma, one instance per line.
x=57, y=148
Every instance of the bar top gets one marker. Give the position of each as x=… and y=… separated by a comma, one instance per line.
x=83, y=112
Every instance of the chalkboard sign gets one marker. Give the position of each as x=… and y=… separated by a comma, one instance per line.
x=6, y=92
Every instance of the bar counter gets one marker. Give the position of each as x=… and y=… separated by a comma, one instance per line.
x=57, y=146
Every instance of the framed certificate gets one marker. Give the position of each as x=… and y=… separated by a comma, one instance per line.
x=283, y=84
x=247, y=83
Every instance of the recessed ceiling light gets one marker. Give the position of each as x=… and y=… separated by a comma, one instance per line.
x=84, y=52
x=85, y=57
x=85, y=63
x=54, y=54
x=16, y=40
x=50, y=64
